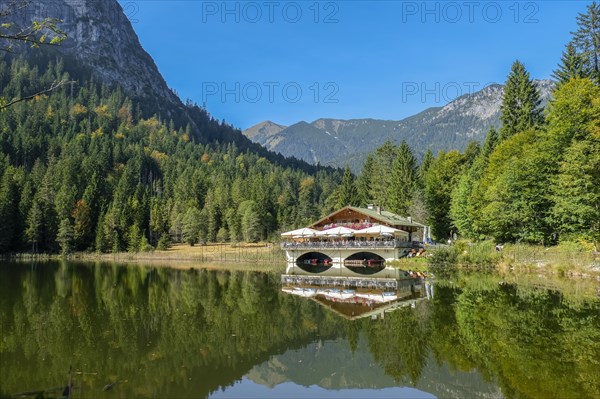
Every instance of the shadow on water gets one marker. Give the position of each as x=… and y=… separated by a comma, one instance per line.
x=190, y=333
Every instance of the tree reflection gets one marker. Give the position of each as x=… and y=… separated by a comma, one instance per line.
x=187, y=333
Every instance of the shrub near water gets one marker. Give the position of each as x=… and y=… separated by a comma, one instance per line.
x=481, y=255
x=444, y=258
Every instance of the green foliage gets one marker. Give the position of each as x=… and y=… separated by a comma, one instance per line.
x=9, y=200
x=586, y=40
x=574, y=107
x=572, y=66
x=144, y=245
x=347, y=193
x=520, y=104
x=424, y=166
x=87, y=155
x=192, y=224
x=515, y=190
x=443, y=258
x=379, y=174
x=251, y=223
x=440, y=180
x=577, y=190
x=479, y=255
x=363, y=182
x=65, y=236
x=134, y=236
x=478, y=331
x=536, y=183
x=404, y=180
x=163, y=242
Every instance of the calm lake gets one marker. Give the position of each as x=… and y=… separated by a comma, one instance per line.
x=163, y=333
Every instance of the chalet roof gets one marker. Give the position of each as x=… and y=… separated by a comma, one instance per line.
x=383, y=217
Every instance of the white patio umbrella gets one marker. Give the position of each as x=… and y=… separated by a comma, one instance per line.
x=380, y=230
x=303, y=232
x=337, y=232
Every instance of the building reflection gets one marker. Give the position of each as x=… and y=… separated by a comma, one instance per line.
x=359, y=298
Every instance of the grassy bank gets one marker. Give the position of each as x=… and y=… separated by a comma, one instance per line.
x=266, y=255
x=569, y=259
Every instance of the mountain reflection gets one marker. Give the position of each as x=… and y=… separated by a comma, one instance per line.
x=191, y=333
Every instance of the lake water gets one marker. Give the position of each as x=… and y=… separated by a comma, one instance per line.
x=163, y=333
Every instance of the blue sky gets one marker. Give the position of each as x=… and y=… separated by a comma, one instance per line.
x=288, y=61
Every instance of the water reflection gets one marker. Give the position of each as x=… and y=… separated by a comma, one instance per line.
x=355, y=303
x=197, y=333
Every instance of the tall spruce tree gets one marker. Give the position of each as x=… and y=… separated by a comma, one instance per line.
x=572, y=66
x=363, y=182
x=587, y=39
x=491, y=139
x=520, y=105
x=380, y=178
x=8, y=211
x=404, y=180
x=424, y=166
x=347, y=193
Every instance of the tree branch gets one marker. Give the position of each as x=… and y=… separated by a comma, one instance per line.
x=53, y=87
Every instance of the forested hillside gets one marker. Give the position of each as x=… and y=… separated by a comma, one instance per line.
x=536, y=179
x=83, y=168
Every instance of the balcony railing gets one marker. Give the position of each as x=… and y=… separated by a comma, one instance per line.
x=348, y=244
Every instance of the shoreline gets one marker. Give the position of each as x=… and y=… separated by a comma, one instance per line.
x=265, y=257
x=268, y=256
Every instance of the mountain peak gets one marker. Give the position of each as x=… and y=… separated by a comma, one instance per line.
x=347, y=142
x=100, y=37
x=261, y=132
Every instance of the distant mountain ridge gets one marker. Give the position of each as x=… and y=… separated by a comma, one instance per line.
x=339, y=142
x=333, y=366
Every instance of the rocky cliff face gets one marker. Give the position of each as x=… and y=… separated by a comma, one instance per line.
x=100, y=37
x=101, y=40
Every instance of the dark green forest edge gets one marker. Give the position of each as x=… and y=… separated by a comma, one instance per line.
x=200, y=331
x=85, y=168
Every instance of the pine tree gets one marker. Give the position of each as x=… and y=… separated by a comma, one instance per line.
x=491, y=139
x=82, y=224
x=424, y=166
x=404, y=180
x=520, y=104
x=587, y=39
x=9, y=200
x=35, y=221
x=363, y=182
x=133, y=238
x=347, y=193
x=65, y=236
x=572, y=66
x=251, y=227
x=191, y=225
x=381, y=177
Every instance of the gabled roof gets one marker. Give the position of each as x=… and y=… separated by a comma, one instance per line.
x=383, y=217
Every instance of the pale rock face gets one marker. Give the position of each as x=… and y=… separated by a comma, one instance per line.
x=100, y=36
